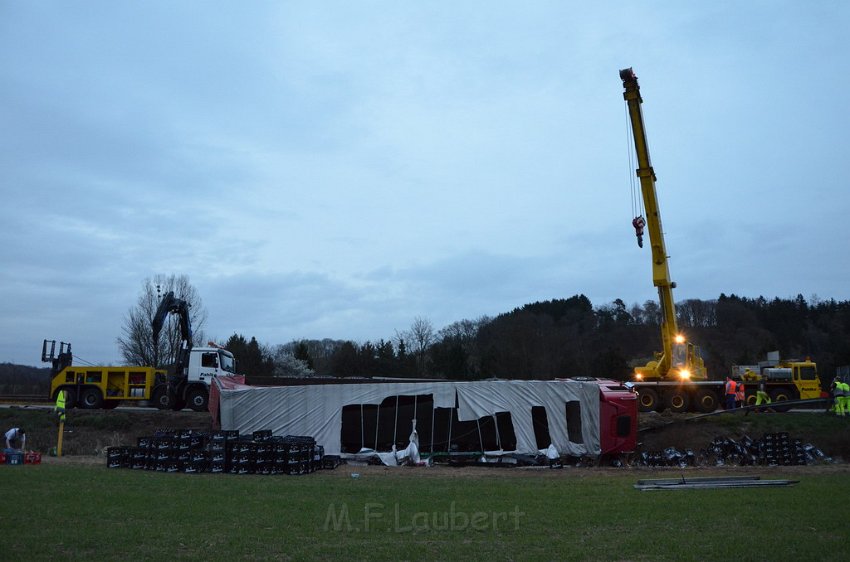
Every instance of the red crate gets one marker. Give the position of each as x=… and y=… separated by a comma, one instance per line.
x=32, y=458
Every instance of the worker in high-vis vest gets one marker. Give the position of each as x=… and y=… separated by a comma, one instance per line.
x=730, y=393
x=836, y=393
x=761, y=396
x=843, y=397
x=740, y=395
x=59, y=408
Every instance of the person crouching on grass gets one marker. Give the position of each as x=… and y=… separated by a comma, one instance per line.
x=16, y=439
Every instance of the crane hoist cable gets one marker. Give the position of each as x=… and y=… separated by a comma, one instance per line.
x=83, y=362
x=638, y=221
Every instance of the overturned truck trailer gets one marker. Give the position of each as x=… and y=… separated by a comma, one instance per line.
x=576, y=417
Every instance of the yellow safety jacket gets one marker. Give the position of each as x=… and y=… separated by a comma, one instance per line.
x=60, y=405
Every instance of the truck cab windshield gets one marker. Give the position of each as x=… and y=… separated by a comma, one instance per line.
x=228, y=363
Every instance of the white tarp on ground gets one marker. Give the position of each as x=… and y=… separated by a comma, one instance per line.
x=316, y=410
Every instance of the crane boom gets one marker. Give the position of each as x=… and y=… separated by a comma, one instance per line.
x=677, y=355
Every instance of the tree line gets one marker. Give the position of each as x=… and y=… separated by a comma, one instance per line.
x=570, y=337
x=541, y=340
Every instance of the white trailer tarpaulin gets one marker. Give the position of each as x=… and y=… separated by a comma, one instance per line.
x=514, y=409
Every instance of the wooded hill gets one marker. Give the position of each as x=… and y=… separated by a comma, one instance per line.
x=571, y=337
x=557, y=338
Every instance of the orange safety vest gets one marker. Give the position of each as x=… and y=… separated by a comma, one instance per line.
x=730, y=387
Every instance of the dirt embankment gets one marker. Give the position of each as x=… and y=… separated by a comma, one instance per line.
x=824, y=431
x=88, y=433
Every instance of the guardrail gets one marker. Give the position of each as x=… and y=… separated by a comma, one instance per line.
x=24, y=399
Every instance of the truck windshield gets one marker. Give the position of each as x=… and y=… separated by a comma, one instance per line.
x=227, y=363
x=808, y=373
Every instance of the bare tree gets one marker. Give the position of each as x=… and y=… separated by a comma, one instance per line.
x=421, y=337
x=137, y=345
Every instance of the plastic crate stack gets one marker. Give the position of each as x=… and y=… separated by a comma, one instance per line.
x=219, y=449
x=780, y=449
x=19, y=458
x=195, y=452
x=165, y=451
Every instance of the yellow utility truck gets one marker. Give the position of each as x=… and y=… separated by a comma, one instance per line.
x=93, y=387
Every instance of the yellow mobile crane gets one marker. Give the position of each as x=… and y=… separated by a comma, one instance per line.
x=667, y=377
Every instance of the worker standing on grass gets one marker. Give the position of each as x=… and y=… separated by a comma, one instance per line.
x=730, y=393
x=16, y=439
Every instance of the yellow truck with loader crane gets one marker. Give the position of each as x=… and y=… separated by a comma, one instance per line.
x=94, y=387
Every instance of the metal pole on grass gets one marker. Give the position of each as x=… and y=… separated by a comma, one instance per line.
x=61, y=431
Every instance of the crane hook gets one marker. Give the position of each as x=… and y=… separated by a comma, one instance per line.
x=639, y=222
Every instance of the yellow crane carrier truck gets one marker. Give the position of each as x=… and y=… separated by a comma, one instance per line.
x=676, y=378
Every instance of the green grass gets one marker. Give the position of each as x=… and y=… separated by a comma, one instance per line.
x=77, y=511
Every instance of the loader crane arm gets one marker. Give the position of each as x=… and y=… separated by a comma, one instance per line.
x=172, y=305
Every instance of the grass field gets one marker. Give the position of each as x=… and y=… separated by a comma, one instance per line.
x=76, y=508
x=72, y=510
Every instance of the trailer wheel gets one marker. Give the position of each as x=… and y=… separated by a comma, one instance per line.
x=91, y=398
x=198, y=399
x=706, y=401
x=780, y=395
x=677, y=400
x=647, y=400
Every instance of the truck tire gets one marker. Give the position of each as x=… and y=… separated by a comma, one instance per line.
x=70, y=397
x=198, y=399
x=90, y=398
x=706, y=400
x=780, y=395
x=647, y=400
x=161, y=398
x=677, y=400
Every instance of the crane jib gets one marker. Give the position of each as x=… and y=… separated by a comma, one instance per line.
x=687, y=363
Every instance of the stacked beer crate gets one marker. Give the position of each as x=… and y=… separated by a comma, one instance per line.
x=195, y=452
x=780, y=449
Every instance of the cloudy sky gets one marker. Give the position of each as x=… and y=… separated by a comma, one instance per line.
x=336, y=169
